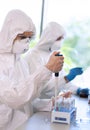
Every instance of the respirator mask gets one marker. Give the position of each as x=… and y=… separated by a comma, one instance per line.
x=21, y=46
x=56, y=46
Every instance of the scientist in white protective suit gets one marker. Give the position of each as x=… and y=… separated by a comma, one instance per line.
x=17, y=87
x=50, y=40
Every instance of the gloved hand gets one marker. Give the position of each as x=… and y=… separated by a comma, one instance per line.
x=73, y=73
x=82, y=92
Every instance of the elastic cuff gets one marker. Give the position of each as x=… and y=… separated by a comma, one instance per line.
x=78, y=91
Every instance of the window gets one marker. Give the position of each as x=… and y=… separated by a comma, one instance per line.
x=75, y=17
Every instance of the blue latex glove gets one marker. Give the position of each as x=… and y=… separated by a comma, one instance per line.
x=82, y=92
x=73, y=73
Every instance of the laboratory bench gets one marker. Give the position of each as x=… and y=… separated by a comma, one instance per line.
x=42, y=120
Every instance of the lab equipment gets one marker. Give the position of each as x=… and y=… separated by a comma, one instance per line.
x=57, y=74
x=56, y=78
x=65, y=111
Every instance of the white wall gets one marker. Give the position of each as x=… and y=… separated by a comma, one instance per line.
x=31, y=7
x=63, y=11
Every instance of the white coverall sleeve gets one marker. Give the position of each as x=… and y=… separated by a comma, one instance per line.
x=50, y=86
x=46, y=104
x=42, y=105
x=15, y=95
x=71, y=87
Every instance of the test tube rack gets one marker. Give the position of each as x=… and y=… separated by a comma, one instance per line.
x=63, y=117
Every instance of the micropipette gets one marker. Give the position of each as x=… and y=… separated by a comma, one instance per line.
x=56, y=86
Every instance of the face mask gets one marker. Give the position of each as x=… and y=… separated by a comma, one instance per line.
x=56, y=46
x=21, y=46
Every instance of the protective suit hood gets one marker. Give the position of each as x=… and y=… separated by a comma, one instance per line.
x=15, y=23
x=50, y=35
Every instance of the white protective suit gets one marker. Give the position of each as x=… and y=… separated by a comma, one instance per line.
x=39, y=55
x=84, y=79
x=17, y=87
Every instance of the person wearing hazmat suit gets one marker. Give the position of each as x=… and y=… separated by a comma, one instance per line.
x=51, y=40
x=17, y=86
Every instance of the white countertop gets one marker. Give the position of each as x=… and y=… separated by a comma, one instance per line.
x=42, y=120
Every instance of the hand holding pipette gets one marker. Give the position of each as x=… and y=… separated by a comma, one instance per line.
x=56, y=76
